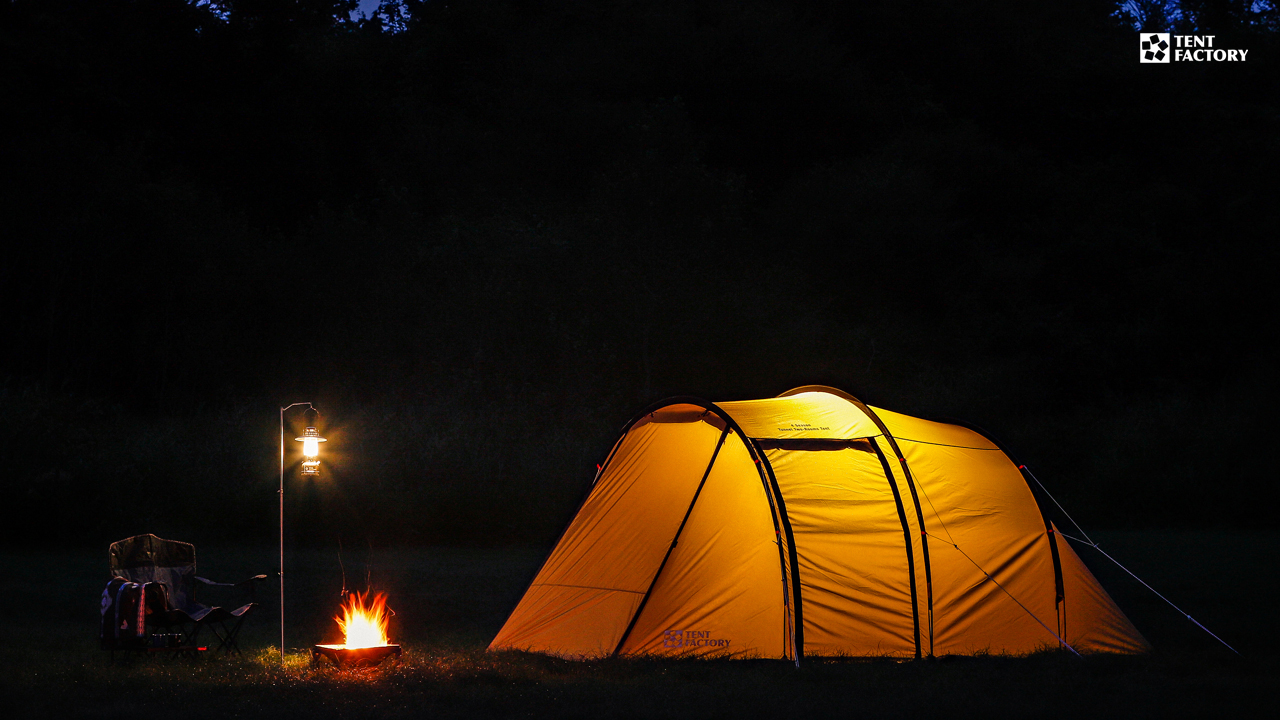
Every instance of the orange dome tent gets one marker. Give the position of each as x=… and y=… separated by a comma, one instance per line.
x=810, y=524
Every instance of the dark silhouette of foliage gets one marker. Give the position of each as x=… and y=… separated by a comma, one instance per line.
x=1226, y=17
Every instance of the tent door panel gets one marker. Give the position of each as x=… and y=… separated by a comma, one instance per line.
x=855, y=580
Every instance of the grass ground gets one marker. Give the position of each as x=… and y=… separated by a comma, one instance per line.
x=450, y=602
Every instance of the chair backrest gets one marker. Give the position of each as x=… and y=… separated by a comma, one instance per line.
x=147, y=558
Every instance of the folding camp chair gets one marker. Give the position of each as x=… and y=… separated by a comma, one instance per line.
x=155, y=563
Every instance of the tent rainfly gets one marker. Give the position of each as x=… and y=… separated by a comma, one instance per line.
x=810, y=524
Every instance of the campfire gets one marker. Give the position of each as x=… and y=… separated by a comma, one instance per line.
x=364, y=625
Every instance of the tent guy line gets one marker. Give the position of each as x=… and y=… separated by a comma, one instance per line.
x=1032, y=475
x=1089, y=542
x=1105, y=554
x=1006, y=592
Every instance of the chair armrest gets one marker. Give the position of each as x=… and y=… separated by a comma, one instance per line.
x=207, y=581
x=244, y=586
x=255, y=578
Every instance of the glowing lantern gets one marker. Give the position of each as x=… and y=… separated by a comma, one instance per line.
x=310, y=451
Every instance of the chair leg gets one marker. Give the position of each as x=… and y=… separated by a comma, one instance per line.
x=228, y=636
x=219, y=632
x=191, y=634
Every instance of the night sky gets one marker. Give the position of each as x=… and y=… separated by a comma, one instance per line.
x=480, y=244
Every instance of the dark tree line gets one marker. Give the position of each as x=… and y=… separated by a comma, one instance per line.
x=1228, y=17
x=480, y=234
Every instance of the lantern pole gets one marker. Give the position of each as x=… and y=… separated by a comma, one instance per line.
x=309, y=405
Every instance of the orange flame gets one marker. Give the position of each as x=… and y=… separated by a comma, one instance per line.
x=365, y=625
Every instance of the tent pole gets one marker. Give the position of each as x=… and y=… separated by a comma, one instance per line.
x=674, y=541
x=902, y=460
x=797, y=606
x=1060, y=589
x=906, y=533
x=782, y=564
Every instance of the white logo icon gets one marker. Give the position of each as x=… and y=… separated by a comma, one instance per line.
x=1154, y=48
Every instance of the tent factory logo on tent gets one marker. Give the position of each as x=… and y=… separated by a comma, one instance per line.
x=1155, y=48
x=691, y=638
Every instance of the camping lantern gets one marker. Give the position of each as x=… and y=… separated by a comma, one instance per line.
x=310, y=451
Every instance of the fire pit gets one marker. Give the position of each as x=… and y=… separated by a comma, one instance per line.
x=365, y=627
x=343, y=655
